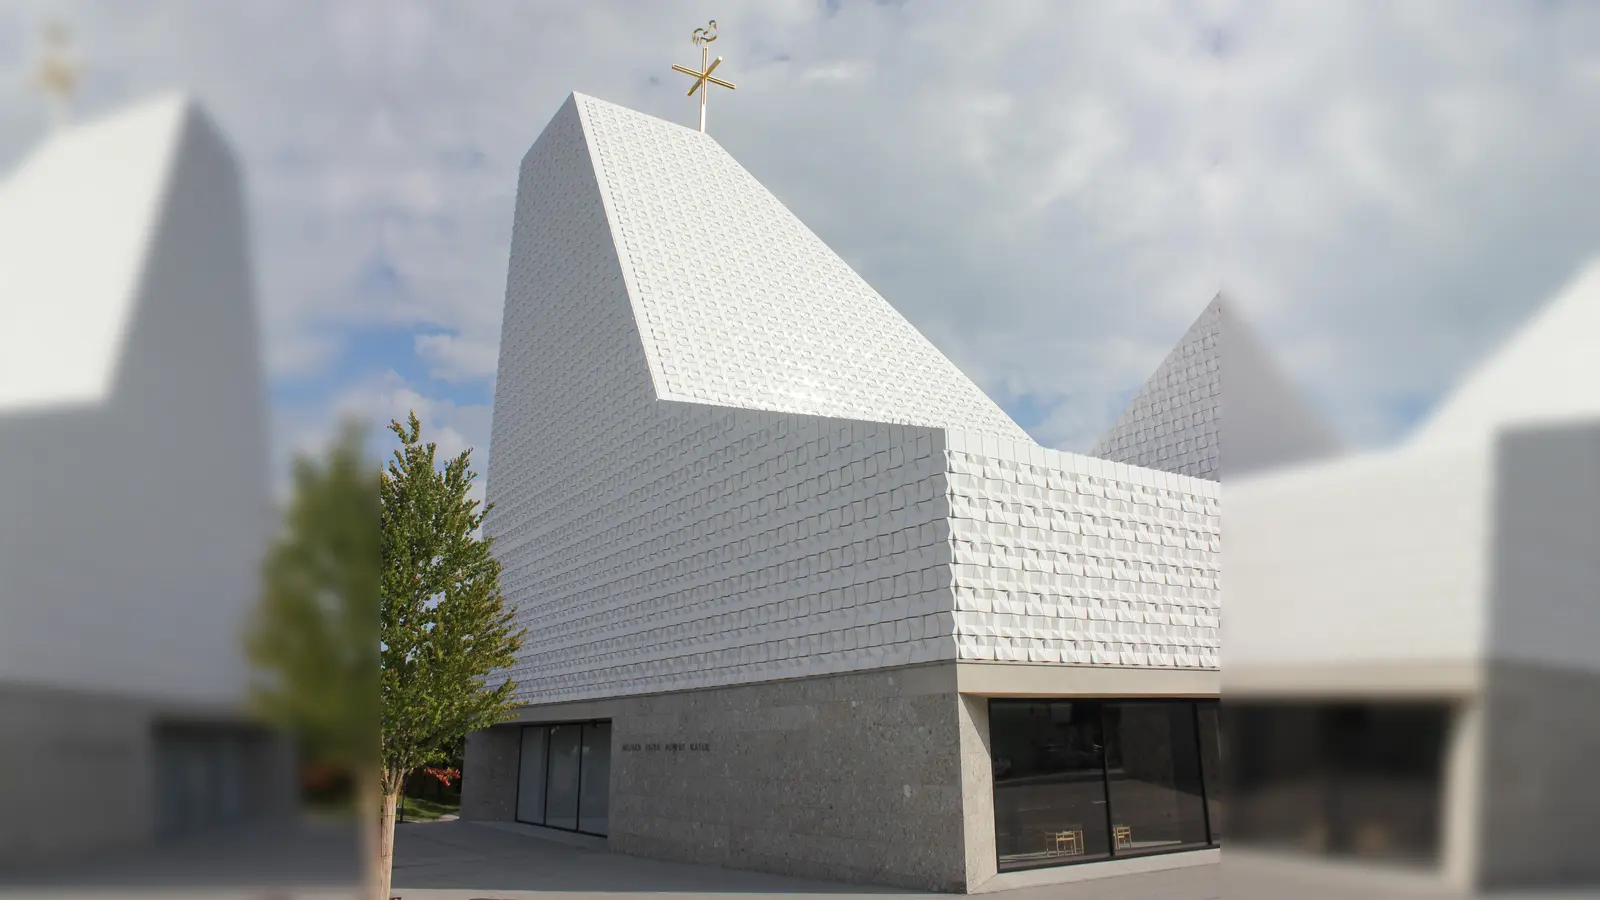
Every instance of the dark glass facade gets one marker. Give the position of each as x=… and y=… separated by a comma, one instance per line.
x=564, y=776
x=1350, y=779
x=1083, y=780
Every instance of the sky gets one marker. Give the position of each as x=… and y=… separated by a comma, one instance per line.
x=1050, y=191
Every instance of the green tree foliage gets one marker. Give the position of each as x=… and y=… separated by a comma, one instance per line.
x=314, y=639
x=447, y=638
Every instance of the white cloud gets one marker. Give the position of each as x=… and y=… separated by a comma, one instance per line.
x=1394, y=185
x=842, y=70
x=455, y=358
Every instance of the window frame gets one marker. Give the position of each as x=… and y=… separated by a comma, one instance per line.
x=522, y=735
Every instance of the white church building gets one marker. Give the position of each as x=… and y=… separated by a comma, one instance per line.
x=133, y=490
x=801, y=598
x=798, y=595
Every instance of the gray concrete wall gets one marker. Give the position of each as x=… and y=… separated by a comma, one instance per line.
x=1540, y=805
x=977, y=790
x=854, y=777
x=489, y=774
x=77, y=775
x=84, y=773
x=1539, y=811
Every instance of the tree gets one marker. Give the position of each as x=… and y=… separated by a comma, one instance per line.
x=313, y=641
x=444, y=629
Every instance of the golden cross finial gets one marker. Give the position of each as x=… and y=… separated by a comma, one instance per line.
x=702, y=38
x=57, y=75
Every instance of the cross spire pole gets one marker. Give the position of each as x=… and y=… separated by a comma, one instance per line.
x=702, y=79
x=57, y=75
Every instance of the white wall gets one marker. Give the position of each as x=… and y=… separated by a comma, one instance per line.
x=1061, y=558
x=657, y=536
x=131, y=529
x=1373, y=558
x=740, y=305
x=655, y=545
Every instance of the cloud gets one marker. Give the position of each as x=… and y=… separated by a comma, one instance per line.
x=852, y=70
x=1051, y=195
x=456, y=359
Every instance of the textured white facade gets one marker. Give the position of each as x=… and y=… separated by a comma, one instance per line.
x=1172, y=422
x=1175, y=421
x=724, y=461
x=738, y=304
x=133, y=495
x=1060, y=558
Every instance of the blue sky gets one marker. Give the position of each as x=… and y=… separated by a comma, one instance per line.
x=1050, y=191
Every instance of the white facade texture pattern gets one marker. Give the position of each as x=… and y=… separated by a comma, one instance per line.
x=1173, y=423
x=1060, y=558
x=739, y=304
x=682, y=497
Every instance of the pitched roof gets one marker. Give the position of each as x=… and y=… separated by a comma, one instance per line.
x=77, y=220
x=1217, y=371
x=1547, y=372
x=738, y=304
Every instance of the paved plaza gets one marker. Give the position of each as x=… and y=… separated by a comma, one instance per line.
x=480, y=861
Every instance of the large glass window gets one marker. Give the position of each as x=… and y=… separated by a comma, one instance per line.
x=1211, y=754
x=1153, y=776
x=564, y=776
x=1049, y=782
x=530, y=778
x=561, y=797
x=1079, y=780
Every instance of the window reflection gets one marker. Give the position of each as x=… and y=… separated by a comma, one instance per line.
x=1211, y=753
x=564, y=777
x=1153, y=773
x=1049, y=782
x=1079, y=780
x=530, y=778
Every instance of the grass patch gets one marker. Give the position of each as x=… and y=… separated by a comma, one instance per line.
x=419, y=809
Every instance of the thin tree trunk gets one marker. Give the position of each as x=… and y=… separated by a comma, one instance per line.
x=393, y=785
x=386, y=844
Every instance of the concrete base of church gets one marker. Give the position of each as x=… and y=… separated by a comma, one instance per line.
x=91, y=773
x=877, y=777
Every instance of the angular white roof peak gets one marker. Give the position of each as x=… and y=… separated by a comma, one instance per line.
x=1548, y=372
x=76, y=221
x=738, y=304
x=1218, y=372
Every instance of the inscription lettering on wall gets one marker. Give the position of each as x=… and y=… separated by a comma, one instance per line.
x=666, y=748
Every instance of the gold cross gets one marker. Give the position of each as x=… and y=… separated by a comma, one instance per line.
x=57, y=75
x=703, y=37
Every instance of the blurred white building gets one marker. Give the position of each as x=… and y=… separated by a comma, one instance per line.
x=133, y=488
x=1412, y=641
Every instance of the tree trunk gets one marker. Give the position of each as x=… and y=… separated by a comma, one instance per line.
x=386, y=843
x=393, y=785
